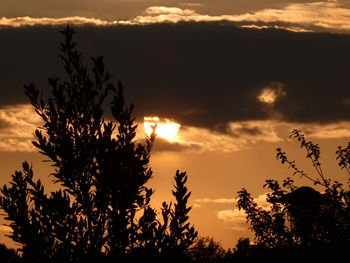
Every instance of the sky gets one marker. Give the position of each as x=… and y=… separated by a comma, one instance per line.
x=233, y=78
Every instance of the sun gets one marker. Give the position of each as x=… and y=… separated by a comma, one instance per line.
x=165, y=128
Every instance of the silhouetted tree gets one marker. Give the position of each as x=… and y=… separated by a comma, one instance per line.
x=171, y=237
x=301, y=217
x=242, y=250
x=7, y=255
x=207, y=250
x=103, y=205
x=181, y=234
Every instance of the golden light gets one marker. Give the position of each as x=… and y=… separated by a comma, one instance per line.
x=165, y=128
x=271, y=93
x=268, y=96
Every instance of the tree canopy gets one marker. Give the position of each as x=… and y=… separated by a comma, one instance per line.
x=102, y=207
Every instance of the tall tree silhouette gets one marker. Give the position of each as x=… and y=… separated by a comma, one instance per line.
x=172, y=237
x=102, y=172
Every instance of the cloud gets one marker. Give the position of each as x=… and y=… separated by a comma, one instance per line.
x=300, y=17
x=235, y=136
x=235, y=219
x=162, y=145
x=271, y=93
x=324, y=16
x=327, y=131
x=238, y=136
x=216, y=201
x=103, y=9
x=46, y=21
x=125, y=9
x=18, y=123
x=232, y=137
x=191, y=4
x=163, y=10
x=17, y=126
x=261, y=201
x=202, y=75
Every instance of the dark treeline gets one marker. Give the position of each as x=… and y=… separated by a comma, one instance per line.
x=102, y=209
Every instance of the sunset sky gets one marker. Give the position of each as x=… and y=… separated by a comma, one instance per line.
x=227, y=79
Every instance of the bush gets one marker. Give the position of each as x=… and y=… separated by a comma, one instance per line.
x=302, y=218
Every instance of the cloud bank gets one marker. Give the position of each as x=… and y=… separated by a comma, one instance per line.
x=229, y=87
x=126, y=9
x=324, y=16
x=328, y=16
x=18, y=123
x=202, y=75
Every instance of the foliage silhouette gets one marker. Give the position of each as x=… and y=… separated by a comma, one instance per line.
x=8, y=255
x=302, y=218
x=207, y=250
x=102, y=209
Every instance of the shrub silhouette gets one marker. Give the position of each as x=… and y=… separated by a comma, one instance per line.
x=207, y=250
x=7, y=255
x=102, y=208
x=302, y=218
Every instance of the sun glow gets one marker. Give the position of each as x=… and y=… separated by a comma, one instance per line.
x=271, y=93
x=165, y=128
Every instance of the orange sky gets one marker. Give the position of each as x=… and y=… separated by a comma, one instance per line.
x=215, y=172
x=236, y=76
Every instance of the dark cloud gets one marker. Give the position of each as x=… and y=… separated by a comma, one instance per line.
x=162, y=145
x=252, y=131
x=200, y=74
x=240, y=131
x=4, y=124
x=344, y=3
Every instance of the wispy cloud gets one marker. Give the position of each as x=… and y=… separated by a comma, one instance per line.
x=329, y=16
x=46, y=21
x=191, y=4
x=215, y=201
x=230, y=137
x=243, y=135
x=301, y=17
x=235, y=219
x=328, y=131
x=271, y=93
x=17, y=126
x=18, y=123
